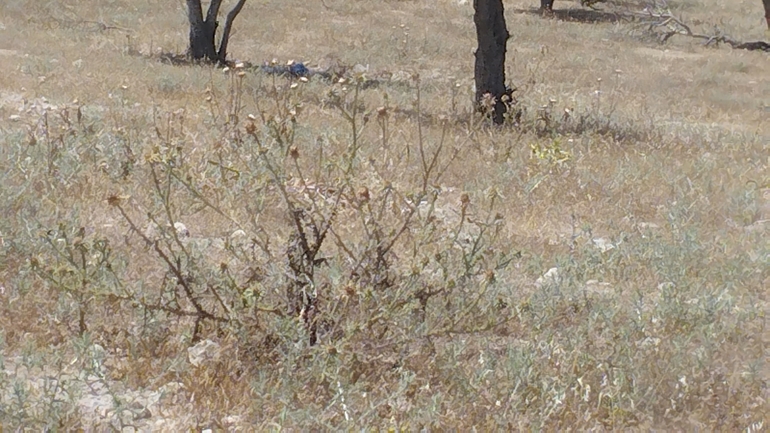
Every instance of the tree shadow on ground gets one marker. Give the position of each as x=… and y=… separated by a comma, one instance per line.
x=593, y=16
x=587, y=16
x=176, y=59
x=753, y=46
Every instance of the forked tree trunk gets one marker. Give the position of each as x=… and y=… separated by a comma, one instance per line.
x=203, y=31
x=492, y=36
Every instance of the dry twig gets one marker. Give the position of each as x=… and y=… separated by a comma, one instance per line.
x=661, y=19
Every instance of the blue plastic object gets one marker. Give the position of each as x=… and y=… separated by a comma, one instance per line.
x=298, y=70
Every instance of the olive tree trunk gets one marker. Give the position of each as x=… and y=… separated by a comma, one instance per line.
x=489, y=71
x=203, y=31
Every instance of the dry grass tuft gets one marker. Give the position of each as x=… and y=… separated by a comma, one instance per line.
x=185, y=247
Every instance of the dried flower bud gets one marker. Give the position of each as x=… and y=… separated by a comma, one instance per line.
x=363, y=194
x=488, y=100
x=294, y=152
x=489, y=276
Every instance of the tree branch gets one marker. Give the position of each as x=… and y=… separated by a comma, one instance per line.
x=194, y=12
x=211, y=15
x=671, y=26
x=222, y=54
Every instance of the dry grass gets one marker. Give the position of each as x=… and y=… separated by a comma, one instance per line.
x=431, y=305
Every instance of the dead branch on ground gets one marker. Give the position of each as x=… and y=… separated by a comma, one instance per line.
x=662, y=22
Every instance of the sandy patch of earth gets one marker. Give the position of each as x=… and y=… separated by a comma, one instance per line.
x=668, y=54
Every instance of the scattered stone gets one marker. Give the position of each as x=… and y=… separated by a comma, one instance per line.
x=360, y=69
x=231, y=420
x=598, y=287
x=401, y=77
x=239, y=238
x=206, y=351
x=649, y=342
x=648, y=226
x=150, y=231
x=550, y=277
x=603, y=244
x=758, y=226
x=181, y=229
x=171, y=388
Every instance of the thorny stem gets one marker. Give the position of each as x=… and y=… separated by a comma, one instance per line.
x=165, y=200
x=175, y=268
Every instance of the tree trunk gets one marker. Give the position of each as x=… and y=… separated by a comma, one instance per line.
x=203, y=32
x=489, y=72
x=202, y=41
